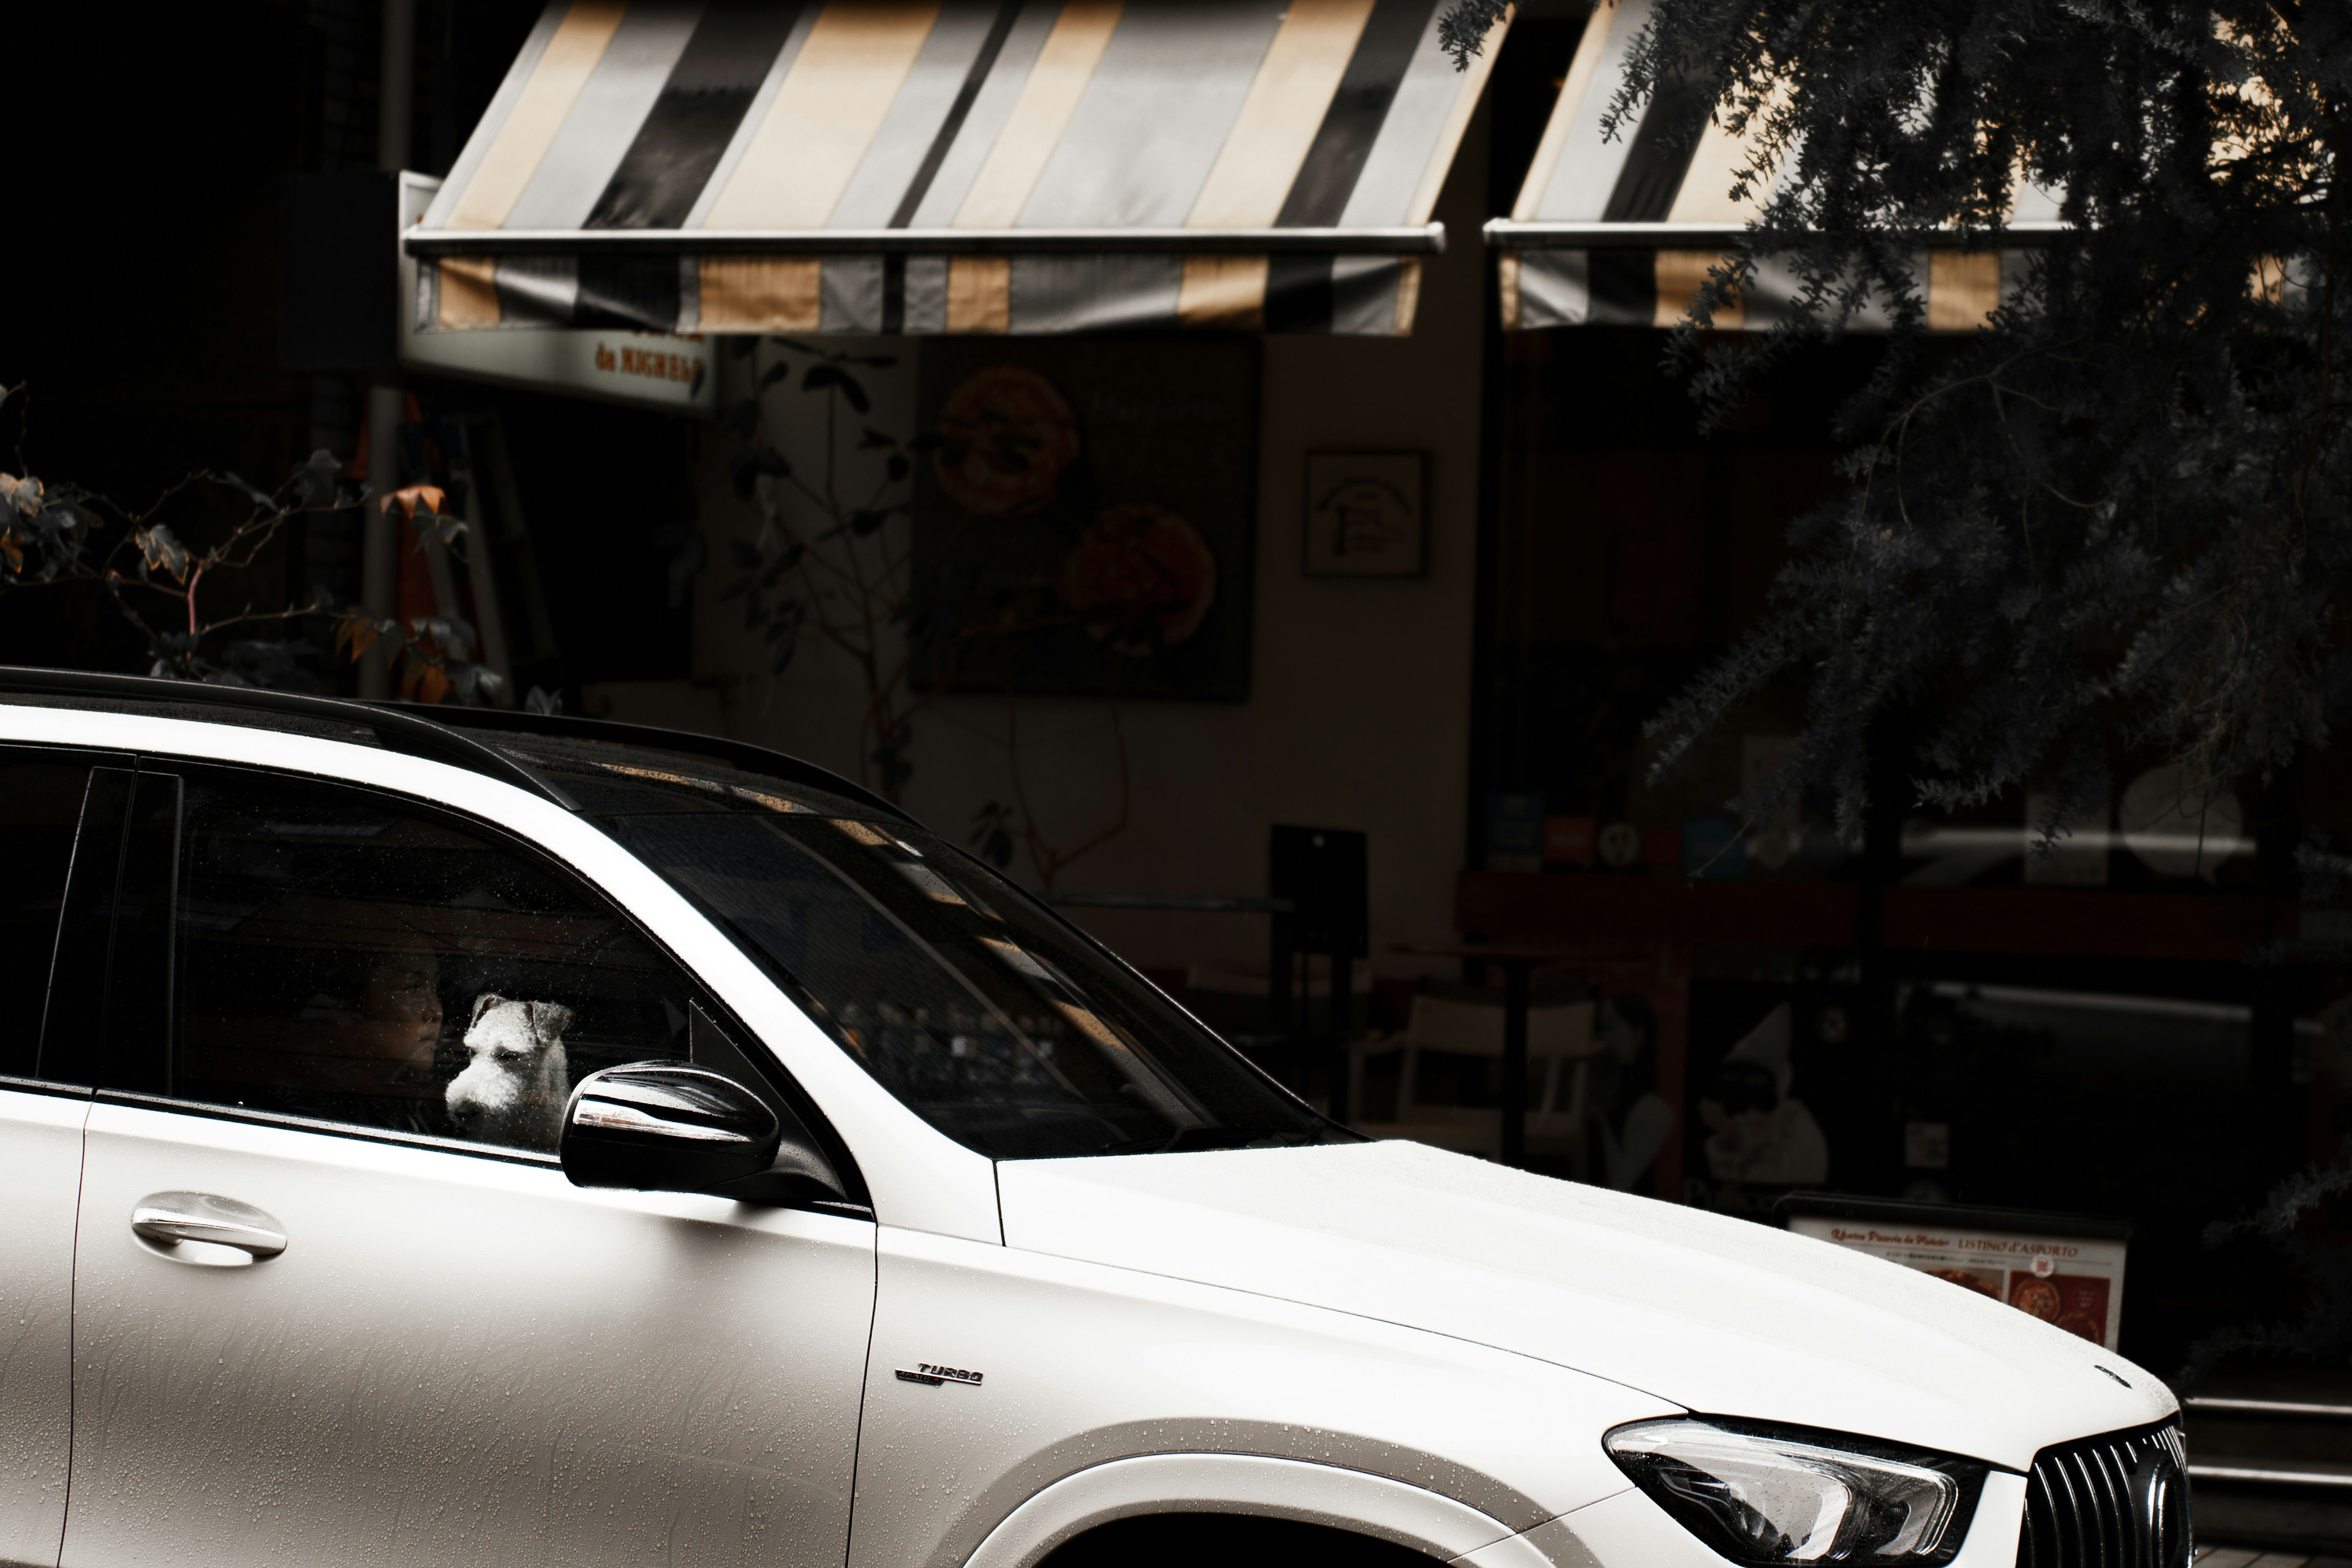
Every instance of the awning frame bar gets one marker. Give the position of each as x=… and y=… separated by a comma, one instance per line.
x=1503, y=233
x=1427, y=240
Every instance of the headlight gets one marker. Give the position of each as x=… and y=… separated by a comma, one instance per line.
x=1771, y=1496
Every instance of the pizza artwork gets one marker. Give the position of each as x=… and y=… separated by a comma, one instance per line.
x=1082, y=518
x=1141, y=576
x=1005, y=435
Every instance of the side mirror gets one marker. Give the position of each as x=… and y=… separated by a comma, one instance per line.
x=666, y=1127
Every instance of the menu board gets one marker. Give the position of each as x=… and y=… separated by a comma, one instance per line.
x=2064, y=1269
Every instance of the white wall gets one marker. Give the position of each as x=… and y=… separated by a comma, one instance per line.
x=1359, y=711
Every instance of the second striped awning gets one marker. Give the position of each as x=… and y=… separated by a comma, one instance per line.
x=1032, y=166
x=1622, y=229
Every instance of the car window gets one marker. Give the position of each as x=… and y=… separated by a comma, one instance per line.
x=40, y=803
x=996, y=1022
x=346, y=956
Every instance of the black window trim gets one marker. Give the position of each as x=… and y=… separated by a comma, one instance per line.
x=859, y=1197
x=292, y=1122
x=14, y=1085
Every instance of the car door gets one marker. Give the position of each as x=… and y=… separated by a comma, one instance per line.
x=42, y=796
x=457, y=1357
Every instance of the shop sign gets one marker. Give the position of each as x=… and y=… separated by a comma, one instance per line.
x=2064, y=1269
x=656, y=370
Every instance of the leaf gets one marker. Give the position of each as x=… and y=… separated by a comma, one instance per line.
x=866, y=521
x=436, y=525
x=898, y=466
x=821, y=376
x=24, y=494
x=446, y=632
x=160, y=550
x=360, y=632
x=873, y=440
x=740, y=585
x=57, y=516
x=410, y=498
x=747, y=555
x=749, y=467
x=991, y=833
x=780, y=371
x=321, y=461
x=261, y=498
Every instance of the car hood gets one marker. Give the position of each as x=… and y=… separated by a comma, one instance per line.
x=1718, y=1315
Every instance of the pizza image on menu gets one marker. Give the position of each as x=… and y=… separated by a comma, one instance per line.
x=2082, y=1305
x=2036, y=1297
x=1005, y=435
x=1141, y=576
x=1976, y=1280
x=2082, y=1325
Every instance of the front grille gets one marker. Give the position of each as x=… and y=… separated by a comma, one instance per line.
x=2120, y=1500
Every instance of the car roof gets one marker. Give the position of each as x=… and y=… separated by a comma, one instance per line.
x=461, y=737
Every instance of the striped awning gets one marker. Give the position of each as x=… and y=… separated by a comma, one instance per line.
x=1032, y=166
x=1621, y=232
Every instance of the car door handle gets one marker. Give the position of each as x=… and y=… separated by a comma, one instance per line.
x=167, y=1219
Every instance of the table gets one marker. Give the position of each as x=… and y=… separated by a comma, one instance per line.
x=1517, y=963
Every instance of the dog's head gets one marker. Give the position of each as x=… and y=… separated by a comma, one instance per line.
x=513, y=1089
x=515, y=1031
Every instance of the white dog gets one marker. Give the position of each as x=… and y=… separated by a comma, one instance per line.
x=514, y=1089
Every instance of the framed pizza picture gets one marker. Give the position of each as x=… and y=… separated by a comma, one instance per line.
x=1367, y=515
x=1085, y=517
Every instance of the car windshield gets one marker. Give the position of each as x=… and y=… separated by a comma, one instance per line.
x=987, y=1016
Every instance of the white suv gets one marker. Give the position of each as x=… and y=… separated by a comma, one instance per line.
x=479, y=1139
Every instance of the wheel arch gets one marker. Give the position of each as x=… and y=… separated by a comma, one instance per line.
x=1240, y=1484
